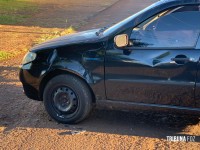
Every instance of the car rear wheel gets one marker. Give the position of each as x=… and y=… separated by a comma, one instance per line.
x=67, y=99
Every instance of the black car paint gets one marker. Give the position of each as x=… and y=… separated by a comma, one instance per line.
x=94, y=58
x=151, y=78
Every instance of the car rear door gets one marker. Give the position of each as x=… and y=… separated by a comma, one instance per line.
x=160, y=64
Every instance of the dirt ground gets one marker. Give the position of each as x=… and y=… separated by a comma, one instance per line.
x=24, y=124
x=51, y=16
x=68, y=12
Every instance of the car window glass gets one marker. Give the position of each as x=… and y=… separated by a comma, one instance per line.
x=174, y=28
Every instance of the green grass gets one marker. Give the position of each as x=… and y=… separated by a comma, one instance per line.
x=15, y=11
x=8, y=55
x=12, y=19
x=4, y=55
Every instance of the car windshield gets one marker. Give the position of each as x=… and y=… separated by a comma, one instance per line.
x=113, y=28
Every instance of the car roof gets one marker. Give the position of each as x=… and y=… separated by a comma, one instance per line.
x=182, y=1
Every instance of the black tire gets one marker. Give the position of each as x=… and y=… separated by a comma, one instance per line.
x=67, y=99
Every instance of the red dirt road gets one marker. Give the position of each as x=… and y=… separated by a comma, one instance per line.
x=24, y=124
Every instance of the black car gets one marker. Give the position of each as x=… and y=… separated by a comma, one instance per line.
x=150, y=60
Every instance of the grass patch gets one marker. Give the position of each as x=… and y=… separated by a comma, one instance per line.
x=12, y=19
x=7, y=55
x=15, y=11
x=4, y=55
x=55, y=34
x=14, y=6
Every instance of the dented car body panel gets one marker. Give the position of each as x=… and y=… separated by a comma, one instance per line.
x=141, y=77
x=87, y=63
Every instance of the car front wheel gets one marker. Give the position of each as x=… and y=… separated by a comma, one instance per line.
x=67, y=99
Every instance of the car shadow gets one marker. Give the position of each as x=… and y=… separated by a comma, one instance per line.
x=144, y=124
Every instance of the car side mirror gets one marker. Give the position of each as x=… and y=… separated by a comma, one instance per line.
x=121, y=40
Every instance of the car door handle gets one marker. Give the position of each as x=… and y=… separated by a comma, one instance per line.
x=181, y=60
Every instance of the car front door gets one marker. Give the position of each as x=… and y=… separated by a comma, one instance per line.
x=160, y=64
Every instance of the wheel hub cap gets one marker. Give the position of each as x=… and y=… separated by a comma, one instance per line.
x=64, y=99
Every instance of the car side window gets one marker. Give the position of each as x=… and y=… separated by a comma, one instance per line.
x=174, y=28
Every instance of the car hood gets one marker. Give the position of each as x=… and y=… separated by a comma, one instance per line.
x=79, y=37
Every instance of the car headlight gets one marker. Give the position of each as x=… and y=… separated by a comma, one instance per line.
x=29, y=57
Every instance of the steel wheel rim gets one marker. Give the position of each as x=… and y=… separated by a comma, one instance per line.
x=65, y=101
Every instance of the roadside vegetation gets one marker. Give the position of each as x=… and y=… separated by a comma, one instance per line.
x=4, y=55
x=16, y=11
x=16, y=43
x=16, y=39
x=55, y=34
